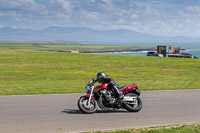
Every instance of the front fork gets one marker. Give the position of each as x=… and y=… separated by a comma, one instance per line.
x=91, y=93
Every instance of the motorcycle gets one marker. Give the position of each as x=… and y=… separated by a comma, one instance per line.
x=104, y=97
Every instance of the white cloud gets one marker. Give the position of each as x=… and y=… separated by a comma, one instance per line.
x=2, y=14
x=193, y=9
x=134, y=16
x=90, y=16
x=186, y=2
x=21, y=5
x=153, y=16
x=65, y=5
x=91, y=0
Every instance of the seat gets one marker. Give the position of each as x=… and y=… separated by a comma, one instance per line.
x=121, y=88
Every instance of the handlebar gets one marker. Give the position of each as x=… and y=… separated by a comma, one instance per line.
x=94, y=80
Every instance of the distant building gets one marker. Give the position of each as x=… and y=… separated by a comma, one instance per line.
x=171, y=51
x=165, y=50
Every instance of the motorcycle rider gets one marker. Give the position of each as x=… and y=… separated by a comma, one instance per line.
x=103, y=78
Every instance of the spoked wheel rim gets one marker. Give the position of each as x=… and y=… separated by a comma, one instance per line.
x=135, y=103
x=87, y=106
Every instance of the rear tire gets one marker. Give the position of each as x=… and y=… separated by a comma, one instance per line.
x=85, y=107
x=135, y=106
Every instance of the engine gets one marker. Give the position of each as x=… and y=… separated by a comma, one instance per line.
x=108, y=96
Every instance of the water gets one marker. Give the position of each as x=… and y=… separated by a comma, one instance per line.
x=191, y=47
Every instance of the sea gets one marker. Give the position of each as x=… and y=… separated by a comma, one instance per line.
x=192, y=48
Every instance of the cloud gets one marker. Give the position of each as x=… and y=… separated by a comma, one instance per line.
x=22, y=6
x=192, y=9
x=186, y=2
x=65, y=5
x=180, y=17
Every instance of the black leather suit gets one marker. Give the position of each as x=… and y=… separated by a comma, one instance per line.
x=113, y=84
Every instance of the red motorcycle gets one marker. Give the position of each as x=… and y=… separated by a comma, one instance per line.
x=104, y=97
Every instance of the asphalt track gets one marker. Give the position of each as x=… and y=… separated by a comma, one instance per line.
x=59, y=113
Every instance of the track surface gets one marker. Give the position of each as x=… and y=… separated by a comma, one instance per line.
x=59, y=113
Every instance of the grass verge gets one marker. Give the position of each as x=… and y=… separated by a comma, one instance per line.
x=164, y=129
x=35, y=72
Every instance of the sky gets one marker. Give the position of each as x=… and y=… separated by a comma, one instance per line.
x=157, y=17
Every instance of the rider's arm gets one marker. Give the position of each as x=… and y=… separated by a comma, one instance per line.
x=107, y=79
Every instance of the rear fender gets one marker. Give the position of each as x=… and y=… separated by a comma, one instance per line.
x=136, y=91
x=88, y=96
x=132, y=89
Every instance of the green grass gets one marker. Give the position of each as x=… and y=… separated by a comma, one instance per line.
x=37, y=72
x=164, y=129
x=66, y=47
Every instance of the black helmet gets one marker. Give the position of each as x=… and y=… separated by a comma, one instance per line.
x=100, y=76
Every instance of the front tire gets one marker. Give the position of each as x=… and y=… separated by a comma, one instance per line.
x=134, y=106
x=85, y=107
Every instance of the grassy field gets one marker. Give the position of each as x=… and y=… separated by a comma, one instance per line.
x=39, y=72
x=34, y=72
x=66, y=47
x=164, y=129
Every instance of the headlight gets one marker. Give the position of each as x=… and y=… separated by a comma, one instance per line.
x=88, y=89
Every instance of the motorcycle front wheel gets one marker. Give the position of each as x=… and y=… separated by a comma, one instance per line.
x=85, y=107
x=134, y=106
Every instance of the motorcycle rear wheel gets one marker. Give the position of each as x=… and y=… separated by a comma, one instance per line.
x=134, y=107
x=85, y=107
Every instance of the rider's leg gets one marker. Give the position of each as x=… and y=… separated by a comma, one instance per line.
x=117, y=91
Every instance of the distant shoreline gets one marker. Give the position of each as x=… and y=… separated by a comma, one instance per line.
x=100, y=51
x=106, y=51
x=109, y=51
x=78, y=48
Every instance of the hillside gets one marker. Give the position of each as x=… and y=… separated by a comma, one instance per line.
x=85, y=34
